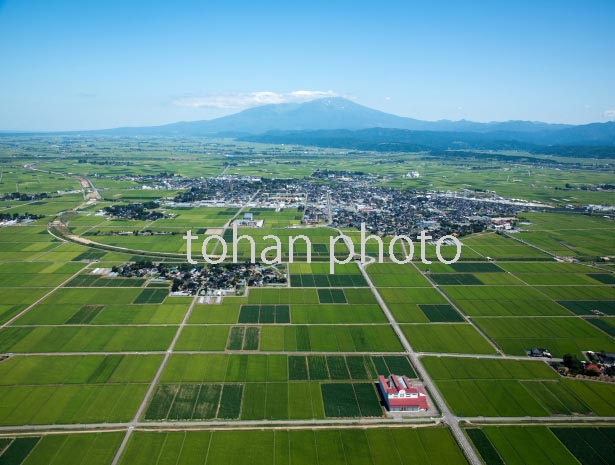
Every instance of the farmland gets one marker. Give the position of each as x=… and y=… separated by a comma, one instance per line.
x=540, y=444
x=503, y=388
x=288, y=369
x=371, y=446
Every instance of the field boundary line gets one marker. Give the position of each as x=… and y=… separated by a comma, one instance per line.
x=154, y=383
x=29, y=307
x=449, y=418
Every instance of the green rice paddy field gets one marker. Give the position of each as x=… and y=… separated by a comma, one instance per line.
x=73, y=389
x=538, y=445
x=78, y=347
x=346, y=446
x=480, y=387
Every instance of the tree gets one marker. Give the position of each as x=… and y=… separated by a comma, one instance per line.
x=571, y=362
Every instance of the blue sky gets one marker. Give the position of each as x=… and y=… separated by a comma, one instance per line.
x=98, y=64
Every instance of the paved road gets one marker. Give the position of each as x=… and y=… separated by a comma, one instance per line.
x=487, y=356
x=234, y=424
x=51, y=291
x=269, y=352
x=512, y=236
x=449, y=418
x=557, y=419
x=152, y=386
x=197, y=352
x=290, y=424
x=453, y=304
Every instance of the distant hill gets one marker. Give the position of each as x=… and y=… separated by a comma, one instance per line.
x=583, y=142
x=300, y=123
x=327, y=113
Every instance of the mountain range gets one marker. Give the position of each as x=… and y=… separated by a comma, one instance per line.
x=342, y=122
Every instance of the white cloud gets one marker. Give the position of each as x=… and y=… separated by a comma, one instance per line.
x=252, y=99
x=609, y=114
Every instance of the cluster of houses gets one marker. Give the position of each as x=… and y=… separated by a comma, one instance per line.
x=135, y=211
x=11, y=219
x=192, y=279
x=341, y=199
x=23, y=196
x=602, y=363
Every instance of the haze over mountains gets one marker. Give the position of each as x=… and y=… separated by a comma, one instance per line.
x=338, y=122
x=334, y=114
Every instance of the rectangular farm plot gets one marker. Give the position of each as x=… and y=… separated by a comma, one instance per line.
x=152, y=296
x=264, y=314
x=320, y=268
x=502, y=248
x=409, y=313
x=249, y=401
x=343, y=400
x=590, y=307
x=588, y=445
x=282, y=296
x=225, y=313
x=605, y=324
x=243, y=338
x=494, y=293
x=476, y=267
x=337, y=314
x=327, y=280
x=543, y=267
x=73, y=389
x=503, y=301
x=519, y=308
x=599, y=397
x=235, y=339
x=490, y=387
x=91, y=314
x=271, y=401
x=484, y=447
x=92, y=280
x=14, y=301
x=441, y=313
x=528, y=445
x=78, y=369
x=599, y=292
x=91, y=448
x=195, y=402
x=557, y=279
x=604, y=278
x=399, y=295
x=558, y=335
x=300, y=447
x=86, y=339
x=447, y=338
x=9, y=311
x=389, y=364
x=319, y=368
x=93, y=296
x=31, y=280
x=394, y=275
x=460, y=279
x=444, y=368
x=358, y=296
x=225, y=368
x=333, y=338
x=203, y=338
x=331, y=296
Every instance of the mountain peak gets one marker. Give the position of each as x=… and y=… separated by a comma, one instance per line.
x=334, y=113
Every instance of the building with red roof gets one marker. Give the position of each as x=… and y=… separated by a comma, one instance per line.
x=399, y=395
